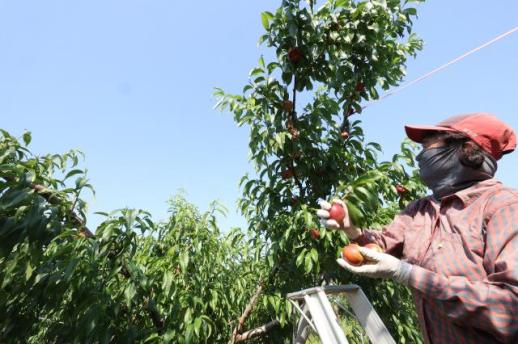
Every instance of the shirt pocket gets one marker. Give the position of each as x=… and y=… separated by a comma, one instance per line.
x=472, y=239
x=416, y=238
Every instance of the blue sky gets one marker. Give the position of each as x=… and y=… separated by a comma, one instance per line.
x=130, y=84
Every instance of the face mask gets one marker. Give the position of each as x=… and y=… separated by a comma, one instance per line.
x=441, y=170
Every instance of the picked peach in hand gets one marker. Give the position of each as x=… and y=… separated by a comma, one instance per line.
x=351, y=254
x=337, y=212
x=374, y=247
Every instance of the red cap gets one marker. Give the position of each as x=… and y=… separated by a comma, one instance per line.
x=490, y=133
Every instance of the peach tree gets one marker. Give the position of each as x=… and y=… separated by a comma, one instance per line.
x=307, y=143
x=133, y=280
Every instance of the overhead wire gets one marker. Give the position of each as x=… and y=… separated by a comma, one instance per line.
x=440, y=68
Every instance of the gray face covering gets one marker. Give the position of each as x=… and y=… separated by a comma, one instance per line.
x=442, y=171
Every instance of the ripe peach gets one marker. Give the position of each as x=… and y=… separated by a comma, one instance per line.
x=295, y=55
x=401, y=189
x=352, y=254
x=287, y=105
x=315, y=233
x=294, y=133
x=337, y=212
x=287, y=174
x=374, y=247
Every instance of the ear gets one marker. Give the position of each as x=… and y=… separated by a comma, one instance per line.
x=472, y=155
x=468, y=147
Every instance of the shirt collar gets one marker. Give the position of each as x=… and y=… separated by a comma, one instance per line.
x=472, y=193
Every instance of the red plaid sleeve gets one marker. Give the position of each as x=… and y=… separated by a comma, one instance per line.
x=492, y=303
x=391, y=238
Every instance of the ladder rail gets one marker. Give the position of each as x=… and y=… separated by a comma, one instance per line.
x=317, y=306
x=303, y=327
x=325, y=319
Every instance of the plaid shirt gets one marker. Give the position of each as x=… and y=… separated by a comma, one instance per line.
x=464, y=251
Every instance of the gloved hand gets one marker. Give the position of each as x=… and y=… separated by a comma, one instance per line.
x=379, y=265
x=345, y=225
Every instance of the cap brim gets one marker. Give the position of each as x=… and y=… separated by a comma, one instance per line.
x=417, y=133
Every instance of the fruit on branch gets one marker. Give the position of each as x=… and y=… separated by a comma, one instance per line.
x=374, y=247
x=295, y=55
x=287, y=174
x=294, y=133
x=337, y=212
x=287, y=105
x=294, y=200
x=292, y=129
x=314, y=233
x=401, y=189
x=359, y=87
x=344, y=135
x=296, y=155
x=351, y=254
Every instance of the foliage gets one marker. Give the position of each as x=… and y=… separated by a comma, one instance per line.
x=182, y=280
x=134, y=281
x=306, y=144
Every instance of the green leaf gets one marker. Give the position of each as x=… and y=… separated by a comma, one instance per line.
x=293, y=29
x=355, y=213
x=197, y=326
x=261, y=62
x=27, y=137
x=70, y=269
x=167, y=282
x=341, y=3
x=73, y=173
x=129, y=293
x=28, y=271
x=411, y=11
x=300, y=258
x=314, y=255
x=265, y=19
x=184, y=261
x=308, y=263
x=14, y=199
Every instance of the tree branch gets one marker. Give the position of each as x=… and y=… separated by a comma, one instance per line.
x=297, y=181
x=293, y=111
x=50, y=196
x=292, y=126
x=250, y=306
x=258, y=331
x=246, y=312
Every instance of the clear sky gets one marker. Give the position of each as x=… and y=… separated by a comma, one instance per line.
x=130, y=84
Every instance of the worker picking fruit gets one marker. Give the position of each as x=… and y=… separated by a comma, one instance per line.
x=456, y=248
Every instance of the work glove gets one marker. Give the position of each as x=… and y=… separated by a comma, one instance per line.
x=379, y=265
x=345, y=225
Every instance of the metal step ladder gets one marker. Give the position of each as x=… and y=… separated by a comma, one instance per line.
x=317, y=314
